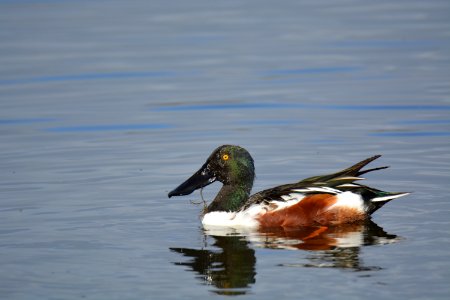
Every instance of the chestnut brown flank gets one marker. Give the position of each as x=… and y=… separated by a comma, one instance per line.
x=312, y=210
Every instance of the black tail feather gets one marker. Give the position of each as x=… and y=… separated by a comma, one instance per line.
x=355, y=169
x=370, y=170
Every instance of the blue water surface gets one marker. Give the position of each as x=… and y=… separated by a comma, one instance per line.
x=106, y=106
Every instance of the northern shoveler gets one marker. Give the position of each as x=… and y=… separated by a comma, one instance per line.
x=321, y=200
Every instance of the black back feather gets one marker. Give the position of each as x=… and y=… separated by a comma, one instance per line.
x=348, y=175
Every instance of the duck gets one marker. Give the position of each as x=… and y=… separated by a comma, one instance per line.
x=325, y=200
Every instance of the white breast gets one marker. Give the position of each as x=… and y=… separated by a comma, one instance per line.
x=245, y=218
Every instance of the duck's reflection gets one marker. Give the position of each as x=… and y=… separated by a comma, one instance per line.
x=325, y=238
x=231, y=268
x=330, y=247
x=229, y=264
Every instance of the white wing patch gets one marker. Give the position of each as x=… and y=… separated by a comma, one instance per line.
x=349, y=185
x=323, y=189
x=292, y=196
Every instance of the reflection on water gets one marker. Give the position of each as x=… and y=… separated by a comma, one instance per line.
x=231, y=269
x=230, y=265
x=335, y=247
x=326, y=238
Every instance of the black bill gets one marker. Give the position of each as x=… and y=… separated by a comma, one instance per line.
x=201, y=178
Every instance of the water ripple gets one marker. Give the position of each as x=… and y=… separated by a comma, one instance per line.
x=113, y=127
x=324, y=70
x=25, y=121
x=90, y=76
x=240, y=106
x=411, y=134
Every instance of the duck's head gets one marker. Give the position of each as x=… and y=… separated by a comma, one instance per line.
x=231, y=165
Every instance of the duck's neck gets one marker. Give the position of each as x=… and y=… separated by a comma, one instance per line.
x=231, y=197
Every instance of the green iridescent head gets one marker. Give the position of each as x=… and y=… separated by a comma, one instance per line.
x=229, y=164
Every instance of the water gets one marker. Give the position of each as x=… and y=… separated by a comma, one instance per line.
x=105, y=106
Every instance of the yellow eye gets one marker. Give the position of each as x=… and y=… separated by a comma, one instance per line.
x=225, y=157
